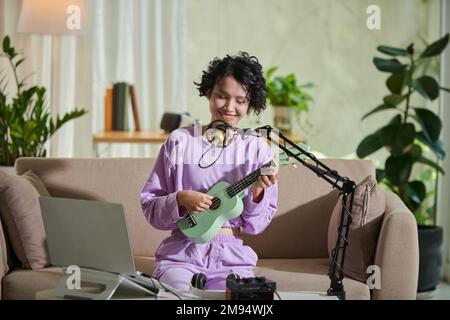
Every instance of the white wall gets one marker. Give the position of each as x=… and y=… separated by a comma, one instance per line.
x=324, y=41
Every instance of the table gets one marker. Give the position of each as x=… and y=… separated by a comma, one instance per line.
x=293, y=137
x=49, y=294
x=149, y=136
x=284, y=295
x=144, y=136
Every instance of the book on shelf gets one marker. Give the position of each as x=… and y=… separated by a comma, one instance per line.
x=109, y=109
x=135, y=108
x=119, y=106
x=122, y=96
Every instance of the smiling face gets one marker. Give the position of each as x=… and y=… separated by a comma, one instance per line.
x=228, y=101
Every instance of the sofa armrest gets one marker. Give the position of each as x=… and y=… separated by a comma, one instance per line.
x=3, y=257
x=397, y=253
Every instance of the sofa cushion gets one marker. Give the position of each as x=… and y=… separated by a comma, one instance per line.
x=4, y=267
x=144, y=264
x=22, y=284
x=368, y=209
x=307, y=275
x=21, y=214
x=305, y=201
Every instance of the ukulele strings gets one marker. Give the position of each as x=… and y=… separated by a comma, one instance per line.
x=237, y=187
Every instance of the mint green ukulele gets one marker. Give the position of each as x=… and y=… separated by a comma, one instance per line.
x=226, y=205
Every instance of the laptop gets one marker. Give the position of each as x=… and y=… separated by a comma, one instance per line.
x=92, y=235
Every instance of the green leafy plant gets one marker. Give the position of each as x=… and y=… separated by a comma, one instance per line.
x=25, y=122
x=285, y=91
x=425, y=212
x=412, y=129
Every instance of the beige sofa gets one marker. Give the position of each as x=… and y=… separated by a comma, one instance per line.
x=292, y=250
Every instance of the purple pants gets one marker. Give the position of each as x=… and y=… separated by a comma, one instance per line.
x=178, y=259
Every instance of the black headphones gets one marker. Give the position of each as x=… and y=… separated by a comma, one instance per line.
x=219, y=133
x=199, y=280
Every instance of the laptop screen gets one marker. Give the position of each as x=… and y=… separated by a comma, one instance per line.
x=89, y=234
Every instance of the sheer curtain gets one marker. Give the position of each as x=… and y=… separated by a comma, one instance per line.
x=141, y=42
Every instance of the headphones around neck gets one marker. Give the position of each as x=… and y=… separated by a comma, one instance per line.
x=220, y=133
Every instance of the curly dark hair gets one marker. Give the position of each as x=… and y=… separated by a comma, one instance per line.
x=245, y=69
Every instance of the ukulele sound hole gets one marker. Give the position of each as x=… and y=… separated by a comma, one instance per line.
x=215, y=204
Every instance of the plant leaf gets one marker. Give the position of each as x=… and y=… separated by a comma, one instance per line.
x=436, y=47
x=392, y=65
x=430, y=123
x=377, y=109
x=415, y=151
x=18, y=63
x=307, y=85
x=393, y=99
x=410, y=49
x=435, y=146
x=270, y=71
x=67, y=117
x=396, y=120
x=397, y=81
x=431, y=164
x=369, y=145
x=284, y=91
x=392, y=51
x=398, y=137
x=427, y=87
x=6, y=44
x=398, y=169
x=406, y=135
x=416, y=191
x=380, y=174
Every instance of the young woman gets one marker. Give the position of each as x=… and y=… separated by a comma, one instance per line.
x=188, y=165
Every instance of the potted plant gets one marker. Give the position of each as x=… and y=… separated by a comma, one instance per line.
x=287, y=97
x=25, y=122
x=407, y=136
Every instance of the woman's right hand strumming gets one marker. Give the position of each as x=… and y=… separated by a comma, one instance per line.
x=194, y=201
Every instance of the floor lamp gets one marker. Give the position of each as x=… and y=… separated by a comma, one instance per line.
x=52, y=18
